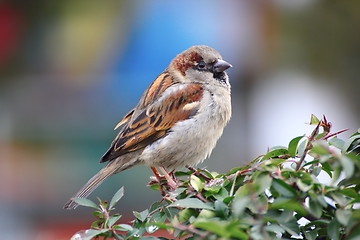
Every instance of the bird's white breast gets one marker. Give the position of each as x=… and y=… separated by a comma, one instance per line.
x=190, y=141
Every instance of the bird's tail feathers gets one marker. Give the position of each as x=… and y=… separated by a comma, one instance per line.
x=91, y=185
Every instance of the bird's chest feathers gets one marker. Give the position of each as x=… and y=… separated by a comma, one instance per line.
x=190, y=140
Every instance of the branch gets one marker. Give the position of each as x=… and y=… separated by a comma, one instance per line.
x=191, y=229
x=308, y=146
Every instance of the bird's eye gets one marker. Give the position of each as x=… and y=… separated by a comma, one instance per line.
x=201, y=65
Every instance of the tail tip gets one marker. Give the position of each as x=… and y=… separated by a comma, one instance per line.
x=71, y=204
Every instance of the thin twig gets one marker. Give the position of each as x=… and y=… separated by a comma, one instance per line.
x=190, y=229
x=197, y=173
x=105, y=212
x=239, y=173
x=326, y=137
x=201, y=197
x=308, y=146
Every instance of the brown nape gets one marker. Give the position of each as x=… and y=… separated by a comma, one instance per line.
x=186, y=60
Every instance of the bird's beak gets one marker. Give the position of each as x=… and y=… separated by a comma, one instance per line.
x=221, y=65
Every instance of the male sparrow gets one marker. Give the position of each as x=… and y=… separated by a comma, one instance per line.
x=177, y=121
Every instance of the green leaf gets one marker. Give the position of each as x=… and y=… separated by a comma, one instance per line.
x=292, y=148
x=273, y=214
x=141, y=215
x=283, y=188
x=349, y=141
x=275, y=152
x=206, y=214
x=327, y=168
x=91, y=233
x=337, y=142
x=347, y=165
x=333, y=230
x=117, y=196
x=314, y=120
x=112, y=220
x=285, y=216
x=162, y=225
x=317, y=223
x=302, y=146
x=98, y=214
x=178, y=191
x=245, y=190
x=354, y=147
x=221, y=209
x=216, y=227
x=185, y=214
x=311, y=235
x=321, y=200
x=137, y=232
x=156, y=206
x=208, y=174
x=196, y=183
x=354, y=234
x=303, y=186
x=354, y=181
x=288, y=204
x=339, y=198
x=315, y=208
x=221, y=228
x=148, y=238
x=211, y=190
x=235, y=232
x=158, y=217
x=123, y=227
x=275, y=229
x=320, y=147
x=170, y=212
x=273, y=162
x=262, y=182
x=343, y=216
x=238, y=206
x=350, y=192
x=154, y=186
x=85, y=202
x=191, y=203
x=315, y=170
x=291, y=227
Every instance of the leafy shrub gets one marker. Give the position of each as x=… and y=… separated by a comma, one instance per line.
x=279, y=195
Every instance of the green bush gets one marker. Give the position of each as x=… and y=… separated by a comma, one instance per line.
x=277, y=196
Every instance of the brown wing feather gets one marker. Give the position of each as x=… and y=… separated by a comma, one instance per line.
x=125, y=119
x=154, y=121
x=161, y=83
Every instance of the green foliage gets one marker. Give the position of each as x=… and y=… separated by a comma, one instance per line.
x=279, y=195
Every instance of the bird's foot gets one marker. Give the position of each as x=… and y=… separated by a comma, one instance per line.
x=165, y=186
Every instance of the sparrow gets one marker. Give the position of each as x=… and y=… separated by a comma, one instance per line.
x=177, y=121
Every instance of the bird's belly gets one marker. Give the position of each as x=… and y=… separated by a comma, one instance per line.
x=189, y=143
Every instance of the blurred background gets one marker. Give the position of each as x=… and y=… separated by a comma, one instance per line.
x=69, y=71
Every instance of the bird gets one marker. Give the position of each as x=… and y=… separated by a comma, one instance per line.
x=177, y=121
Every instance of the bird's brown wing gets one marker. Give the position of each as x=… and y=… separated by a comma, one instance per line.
x=158, y=86
x=156, y=118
